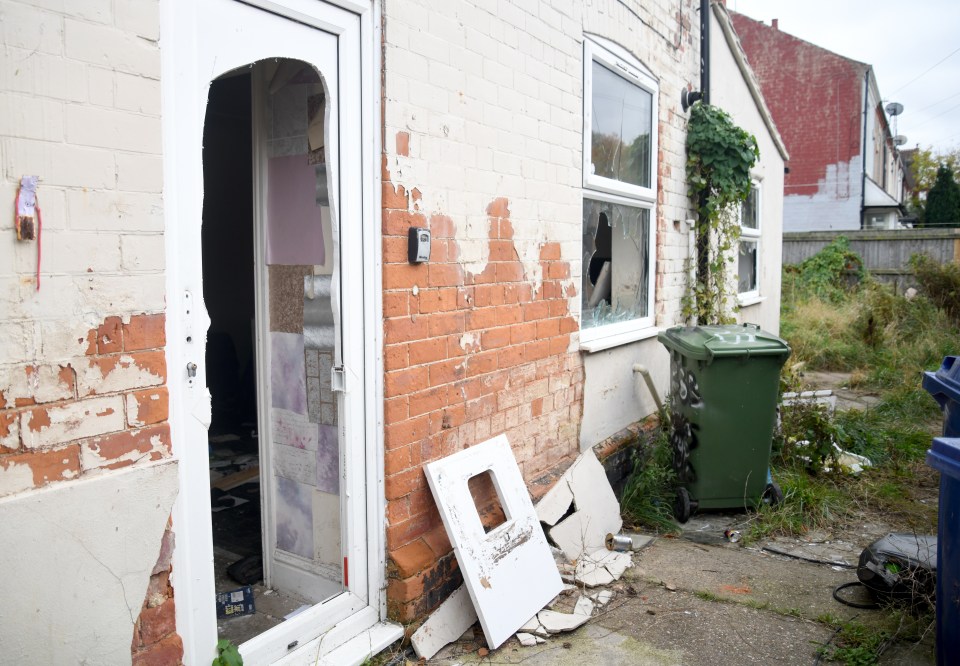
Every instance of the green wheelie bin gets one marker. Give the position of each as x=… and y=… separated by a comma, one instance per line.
x=724, y=385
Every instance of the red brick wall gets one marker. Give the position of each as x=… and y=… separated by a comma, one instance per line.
x=467, y=356
x=155, y=639
x=815, y=96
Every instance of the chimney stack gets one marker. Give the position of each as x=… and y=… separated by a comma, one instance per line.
x=775, y=24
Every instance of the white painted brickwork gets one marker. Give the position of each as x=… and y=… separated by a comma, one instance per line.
x=79, y=107
x=491, y=94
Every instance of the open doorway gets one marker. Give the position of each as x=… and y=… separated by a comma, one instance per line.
x=254, y=64
x=267, y=254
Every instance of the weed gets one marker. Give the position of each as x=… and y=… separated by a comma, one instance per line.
x=827, y=273
x=227, y=654
x=859, y=644
x=940, y=283
x=648, y=496
x=809, y=502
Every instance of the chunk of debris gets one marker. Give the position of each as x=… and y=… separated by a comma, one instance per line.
x=556, y=623
x=449, y=622
x=526, y=640
x=602, y=567
x=531, y=625
x=584, y=606
x=603, y=597
x=618, y=564
x=509, y=572
x=592, y=573
x=596, y=512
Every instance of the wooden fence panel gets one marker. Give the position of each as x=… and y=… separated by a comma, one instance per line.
x=886, y=253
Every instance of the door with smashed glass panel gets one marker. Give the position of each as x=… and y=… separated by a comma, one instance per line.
x=281, y=434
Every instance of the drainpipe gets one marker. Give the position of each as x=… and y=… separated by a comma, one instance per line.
x=703, y=235
x=642, y=370
x=705, y=50
x=863, y=147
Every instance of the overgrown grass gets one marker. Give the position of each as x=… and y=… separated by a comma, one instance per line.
x=648, y=497
x=862, y=644
x=885, y=341
x=835, y=318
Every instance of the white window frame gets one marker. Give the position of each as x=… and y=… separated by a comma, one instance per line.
x=615, y=58
x=751, y=235
x=599, y=188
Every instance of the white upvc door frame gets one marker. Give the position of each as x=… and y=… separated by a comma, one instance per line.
x=187, y=42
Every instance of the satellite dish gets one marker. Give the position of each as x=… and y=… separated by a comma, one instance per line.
x=894, y=108
x=899, y=140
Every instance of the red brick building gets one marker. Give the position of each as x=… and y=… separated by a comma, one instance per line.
x=845, y=171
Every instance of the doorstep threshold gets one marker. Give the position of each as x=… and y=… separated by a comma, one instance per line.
x=351, y=653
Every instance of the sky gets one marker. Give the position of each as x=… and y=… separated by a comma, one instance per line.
x=902, y=40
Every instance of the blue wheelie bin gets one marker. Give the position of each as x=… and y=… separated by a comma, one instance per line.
x=944, y=455
x=944, y=386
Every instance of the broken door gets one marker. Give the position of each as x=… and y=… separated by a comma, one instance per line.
x=309, y=346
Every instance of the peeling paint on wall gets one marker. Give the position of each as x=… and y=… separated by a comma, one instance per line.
x=82, y=554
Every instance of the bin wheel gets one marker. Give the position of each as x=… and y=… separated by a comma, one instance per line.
x=772, y=495
x=682, y=505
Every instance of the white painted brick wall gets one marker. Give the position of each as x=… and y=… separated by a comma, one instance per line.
x=491, y=94
x=80, y=108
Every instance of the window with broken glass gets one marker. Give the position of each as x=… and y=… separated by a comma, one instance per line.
x=619, y=195
x=748, y=266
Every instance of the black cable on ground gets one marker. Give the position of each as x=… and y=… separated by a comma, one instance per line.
x=852, y=604
x=820, y=653
x=843, y=565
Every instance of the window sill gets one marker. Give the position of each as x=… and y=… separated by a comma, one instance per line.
x=618, y=339
x=750, y=299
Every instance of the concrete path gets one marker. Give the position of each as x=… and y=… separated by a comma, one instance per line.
x=702, y=602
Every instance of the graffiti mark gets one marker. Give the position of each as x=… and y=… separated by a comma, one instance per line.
x=683, y=440
x=684, y=385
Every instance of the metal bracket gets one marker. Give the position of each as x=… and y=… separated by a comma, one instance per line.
x=338, y=379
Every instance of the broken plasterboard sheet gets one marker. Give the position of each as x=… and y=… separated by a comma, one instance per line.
x=592, y=574
x=446, y=624
x=602, y=567
x=555, y=622
x=618, y=564
x=509, y=571
x=597, y=509
x=554, y=505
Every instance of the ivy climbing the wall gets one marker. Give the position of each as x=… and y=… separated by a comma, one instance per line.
x=719, y=158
